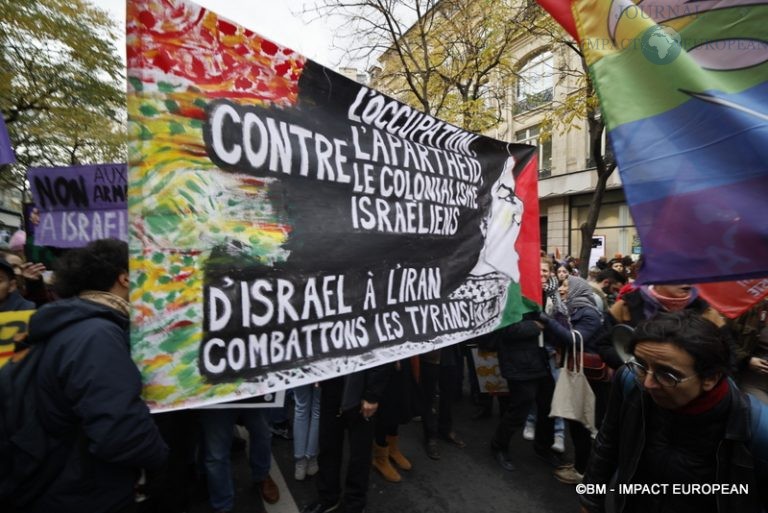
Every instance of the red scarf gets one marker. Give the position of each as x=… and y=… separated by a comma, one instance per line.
x=673, y=304
x=707, y=400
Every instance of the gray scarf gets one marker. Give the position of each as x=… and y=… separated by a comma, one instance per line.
x=580, y=295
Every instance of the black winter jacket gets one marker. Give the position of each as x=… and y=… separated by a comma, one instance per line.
x=15, y=302
x=369, y=384
x=587, y=321
x=520, y=357
x=89, y=403
x=624, y=436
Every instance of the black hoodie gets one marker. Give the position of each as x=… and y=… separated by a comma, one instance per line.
x=89, y=402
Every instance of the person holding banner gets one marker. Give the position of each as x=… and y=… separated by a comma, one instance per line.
x=218, y=426
x=306, y=429
x=348, y=404
x=438, y=371
x=397, y=407
x=528, y=367
x=100, y=431
x=525, y=365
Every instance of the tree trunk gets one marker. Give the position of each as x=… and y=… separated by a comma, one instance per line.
x=605, y=164
x=587, y=229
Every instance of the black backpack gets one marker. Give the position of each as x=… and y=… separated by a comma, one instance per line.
x=25, y=468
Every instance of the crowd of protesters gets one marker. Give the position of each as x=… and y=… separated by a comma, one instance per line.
x=672, y=413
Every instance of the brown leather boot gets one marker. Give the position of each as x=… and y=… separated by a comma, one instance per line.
x=382, y=464
x=393, y=444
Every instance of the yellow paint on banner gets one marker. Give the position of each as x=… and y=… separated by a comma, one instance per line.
x=13, y=328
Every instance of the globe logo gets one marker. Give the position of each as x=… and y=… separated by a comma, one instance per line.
x=660, y=45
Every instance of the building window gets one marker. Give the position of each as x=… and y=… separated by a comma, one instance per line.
x=535, y=83
x=531, y=136
x=614, y=223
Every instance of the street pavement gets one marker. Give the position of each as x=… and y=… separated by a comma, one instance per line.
x=464, y=480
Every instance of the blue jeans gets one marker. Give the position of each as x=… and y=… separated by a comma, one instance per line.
x=306, y=421
x=217, y=432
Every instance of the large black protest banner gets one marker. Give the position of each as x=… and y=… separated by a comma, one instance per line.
x=289, y=225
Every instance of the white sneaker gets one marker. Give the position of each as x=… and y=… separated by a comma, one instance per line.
x=529, y=432
x=300, y=470
x=312, y=466
x=559, y=445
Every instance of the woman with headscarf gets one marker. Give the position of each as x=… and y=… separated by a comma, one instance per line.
x=586, y=319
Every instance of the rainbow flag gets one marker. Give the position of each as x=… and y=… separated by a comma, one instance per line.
x=683, y=87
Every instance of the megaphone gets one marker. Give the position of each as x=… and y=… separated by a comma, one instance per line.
x=622, y=335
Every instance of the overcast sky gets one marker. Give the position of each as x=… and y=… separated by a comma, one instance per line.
x=280, y=21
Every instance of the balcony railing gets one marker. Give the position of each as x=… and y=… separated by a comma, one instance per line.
x=532, y=101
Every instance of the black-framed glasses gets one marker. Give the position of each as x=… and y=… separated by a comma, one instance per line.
x=665, y=379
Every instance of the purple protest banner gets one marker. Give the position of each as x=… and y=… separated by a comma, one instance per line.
x=7, y=156
x=79, y=204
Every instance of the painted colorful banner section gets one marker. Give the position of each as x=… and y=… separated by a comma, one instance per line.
x=684, y=90
x=76, y=205
x=290, y=225
x=13, y=328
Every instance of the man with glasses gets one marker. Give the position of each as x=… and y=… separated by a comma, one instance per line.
x=676, y=419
